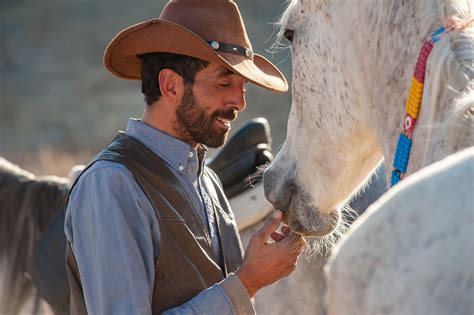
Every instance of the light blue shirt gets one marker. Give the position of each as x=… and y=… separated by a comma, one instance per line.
x=115, y=234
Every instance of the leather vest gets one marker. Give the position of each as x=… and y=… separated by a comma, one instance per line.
x=184, y=267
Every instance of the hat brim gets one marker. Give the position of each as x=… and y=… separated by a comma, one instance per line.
x=157, y=35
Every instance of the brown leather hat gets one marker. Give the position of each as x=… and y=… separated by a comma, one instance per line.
x=211, y=30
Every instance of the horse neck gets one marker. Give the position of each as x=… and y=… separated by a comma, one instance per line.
x=386, y=37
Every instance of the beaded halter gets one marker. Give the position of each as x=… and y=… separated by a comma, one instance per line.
x=412, y=107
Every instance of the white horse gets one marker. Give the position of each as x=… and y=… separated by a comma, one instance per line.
x=352, y=67
x=303, y=290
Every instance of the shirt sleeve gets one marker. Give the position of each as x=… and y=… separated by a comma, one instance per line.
x=228, y=297
x=114, y=234
x=111, y=238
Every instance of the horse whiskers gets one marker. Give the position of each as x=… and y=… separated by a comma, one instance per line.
x=323, y=245
x=348, y=214
x=257, y=176
x=278, y=47
x=253, y=180
x=284, y=59
x=263, y=167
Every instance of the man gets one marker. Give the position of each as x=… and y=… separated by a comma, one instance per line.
x=148, y=226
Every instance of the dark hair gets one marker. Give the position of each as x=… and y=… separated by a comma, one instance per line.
x=153, y=63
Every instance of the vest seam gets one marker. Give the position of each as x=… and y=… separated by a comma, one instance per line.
x=166, y=274
x=170, y=219
x=218, y=225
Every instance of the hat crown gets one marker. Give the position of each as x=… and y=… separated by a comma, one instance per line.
x=211, y=30
x=212, y=20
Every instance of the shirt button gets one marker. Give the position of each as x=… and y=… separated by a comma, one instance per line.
x=181, y=168
x=191, y=154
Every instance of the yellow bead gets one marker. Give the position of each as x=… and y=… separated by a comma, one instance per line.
x=415, y=95
x=416, y=84
x=415, y=99
x=416, y=91
x=412, y=109
x=414, y=105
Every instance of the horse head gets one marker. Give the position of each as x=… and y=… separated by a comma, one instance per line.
x=352, y=66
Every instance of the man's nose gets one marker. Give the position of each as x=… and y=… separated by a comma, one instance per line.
x=238, y=101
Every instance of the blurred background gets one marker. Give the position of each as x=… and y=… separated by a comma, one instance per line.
x=58, y=104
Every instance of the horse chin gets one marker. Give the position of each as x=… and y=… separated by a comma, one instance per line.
x=302, y=216
x=311, y=222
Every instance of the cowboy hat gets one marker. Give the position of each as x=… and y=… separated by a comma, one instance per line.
x=211, y=30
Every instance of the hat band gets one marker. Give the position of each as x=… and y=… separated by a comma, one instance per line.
x=239, y=50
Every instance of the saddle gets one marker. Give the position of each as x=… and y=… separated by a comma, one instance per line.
x=238, y=166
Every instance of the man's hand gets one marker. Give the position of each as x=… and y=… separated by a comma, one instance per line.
x=264, y=262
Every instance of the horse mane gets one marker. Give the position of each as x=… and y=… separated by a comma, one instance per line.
x=27, y=204
x=461, y=69
x=453, y=76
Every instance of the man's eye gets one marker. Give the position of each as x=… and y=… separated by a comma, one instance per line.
x=224, y=85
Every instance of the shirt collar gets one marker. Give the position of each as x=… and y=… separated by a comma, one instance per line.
x=173, y=151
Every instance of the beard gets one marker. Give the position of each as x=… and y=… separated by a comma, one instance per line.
x=194, y=123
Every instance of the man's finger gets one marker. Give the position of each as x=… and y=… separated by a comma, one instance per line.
x=295, y=239
x=270, y=225
x=277, y=236
x=285, y=230
x=297, y=242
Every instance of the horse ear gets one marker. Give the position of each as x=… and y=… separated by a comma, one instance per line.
x=75, y=171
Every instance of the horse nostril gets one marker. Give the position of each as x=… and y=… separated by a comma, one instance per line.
x=282, y=200
x=292, y=188
x=268, y=185
x=278, y=189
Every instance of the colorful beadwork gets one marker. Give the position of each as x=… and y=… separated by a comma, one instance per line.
x=395, y=177
x=409, y=124
x=402, y=154
x=412, y=107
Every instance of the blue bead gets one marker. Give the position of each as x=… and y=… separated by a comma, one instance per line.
x=439, y=31
x=402, y=154
x=395, y=178
x=436, y=35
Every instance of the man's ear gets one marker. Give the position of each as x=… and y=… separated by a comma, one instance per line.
x=171, y=85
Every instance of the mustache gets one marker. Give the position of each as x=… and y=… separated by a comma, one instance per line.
x=230, y=114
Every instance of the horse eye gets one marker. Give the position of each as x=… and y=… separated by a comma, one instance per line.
x=289, y=35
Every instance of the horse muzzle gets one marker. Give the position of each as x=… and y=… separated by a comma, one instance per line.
x=297, y=205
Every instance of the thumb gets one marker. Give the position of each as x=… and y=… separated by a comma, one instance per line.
x=270, y=225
